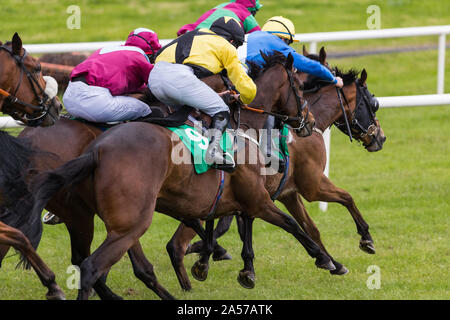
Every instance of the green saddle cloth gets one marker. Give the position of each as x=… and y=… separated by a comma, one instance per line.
x=197, y=144
x=282, y=147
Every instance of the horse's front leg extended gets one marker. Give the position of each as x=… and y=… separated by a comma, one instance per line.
x=328, y=192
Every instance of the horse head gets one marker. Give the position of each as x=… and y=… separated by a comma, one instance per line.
x=363, y=122
x=33, y=102
x=359, y=104
x=280, y=88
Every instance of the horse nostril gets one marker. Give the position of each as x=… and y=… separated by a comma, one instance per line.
x=384, y=139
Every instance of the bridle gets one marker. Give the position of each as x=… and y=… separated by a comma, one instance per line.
x=40, y=110
x=354, y=124
x=303, y=120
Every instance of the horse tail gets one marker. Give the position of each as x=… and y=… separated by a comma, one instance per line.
x=46, y=184
x=15, y=200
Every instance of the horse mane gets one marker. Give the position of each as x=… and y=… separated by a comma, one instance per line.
x=313, y=82
x=348, y=76
x=16, y=201
x=271, y=59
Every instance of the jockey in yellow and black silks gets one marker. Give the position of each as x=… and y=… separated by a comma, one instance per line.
x=175, y=78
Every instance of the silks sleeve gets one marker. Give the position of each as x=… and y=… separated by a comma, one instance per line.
x=313, y=67
x=243, y=83
x=251, y=25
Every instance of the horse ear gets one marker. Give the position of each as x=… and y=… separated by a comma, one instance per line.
x=16, y=44
x=363, y=76
x=289, y=61
x=305, y=52
x=322, y=56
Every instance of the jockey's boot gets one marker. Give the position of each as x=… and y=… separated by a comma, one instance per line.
x=215, y=156
x=269, y=148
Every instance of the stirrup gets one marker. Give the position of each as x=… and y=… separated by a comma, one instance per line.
x=51, y=219
x=227, y=165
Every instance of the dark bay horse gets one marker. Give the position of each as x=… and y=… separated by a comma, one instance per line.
x=141, y=153
x=308, y=160
x=26, y=101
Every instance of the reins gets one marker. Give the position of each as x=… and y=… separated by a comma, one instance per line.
x=339, y=90
x=11, y=99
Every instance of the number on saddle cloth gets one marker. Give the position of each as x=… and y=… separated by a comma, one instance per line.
x=197, y=144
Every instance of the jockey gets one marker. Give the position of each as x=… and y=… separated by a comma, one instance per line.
x=175, y=78
x=98, y=86
x=277, y=34
x=242, y=10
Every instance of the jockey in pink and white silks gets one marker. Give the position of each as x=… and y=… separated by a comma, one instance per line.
x=98, y=85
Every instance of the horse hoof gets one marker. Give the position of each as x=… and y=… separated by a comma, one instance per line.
x=367, y=246
x=200, y=271
x=326, y=264
x=225, y=256
x=55, y=295
x=339, y=272
x=246, y=279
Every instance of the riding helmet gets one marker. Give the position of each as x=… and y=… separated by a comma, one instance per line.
x=230, y=29
x=281, y=27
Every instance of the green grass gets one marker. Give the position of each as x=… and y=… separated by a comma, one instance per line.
x=402, y=191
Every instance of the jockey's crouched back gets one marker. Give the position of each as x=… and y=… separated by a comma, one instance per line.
x=98, y=86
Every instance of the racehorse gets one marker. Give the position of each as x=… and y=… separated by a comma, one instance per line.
x=32, y=102
x=141, y=153
x=64, y=141
x=306, y=177
x=28, y=102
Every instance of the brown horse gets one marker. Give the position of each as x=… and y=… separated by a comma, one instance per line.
x=141, y=153
x=26, y=101
x=305, y=177
x=23, y=92
x=64, y=141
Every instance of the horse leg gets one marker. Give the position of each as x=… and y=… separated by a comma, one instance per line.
x=12, y=237
x=122, y=235
x=200, y=268
x=270, y=213
x=246, y=276
x=79, y=221
x=296, y=208
x=220, y=253
x=3, y=251
x=328, y=192
x=143, y=270
x=176, y=248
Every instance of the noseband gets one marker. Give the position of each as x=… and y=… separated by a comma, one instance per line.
x=355, y=124
x=10, y=99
